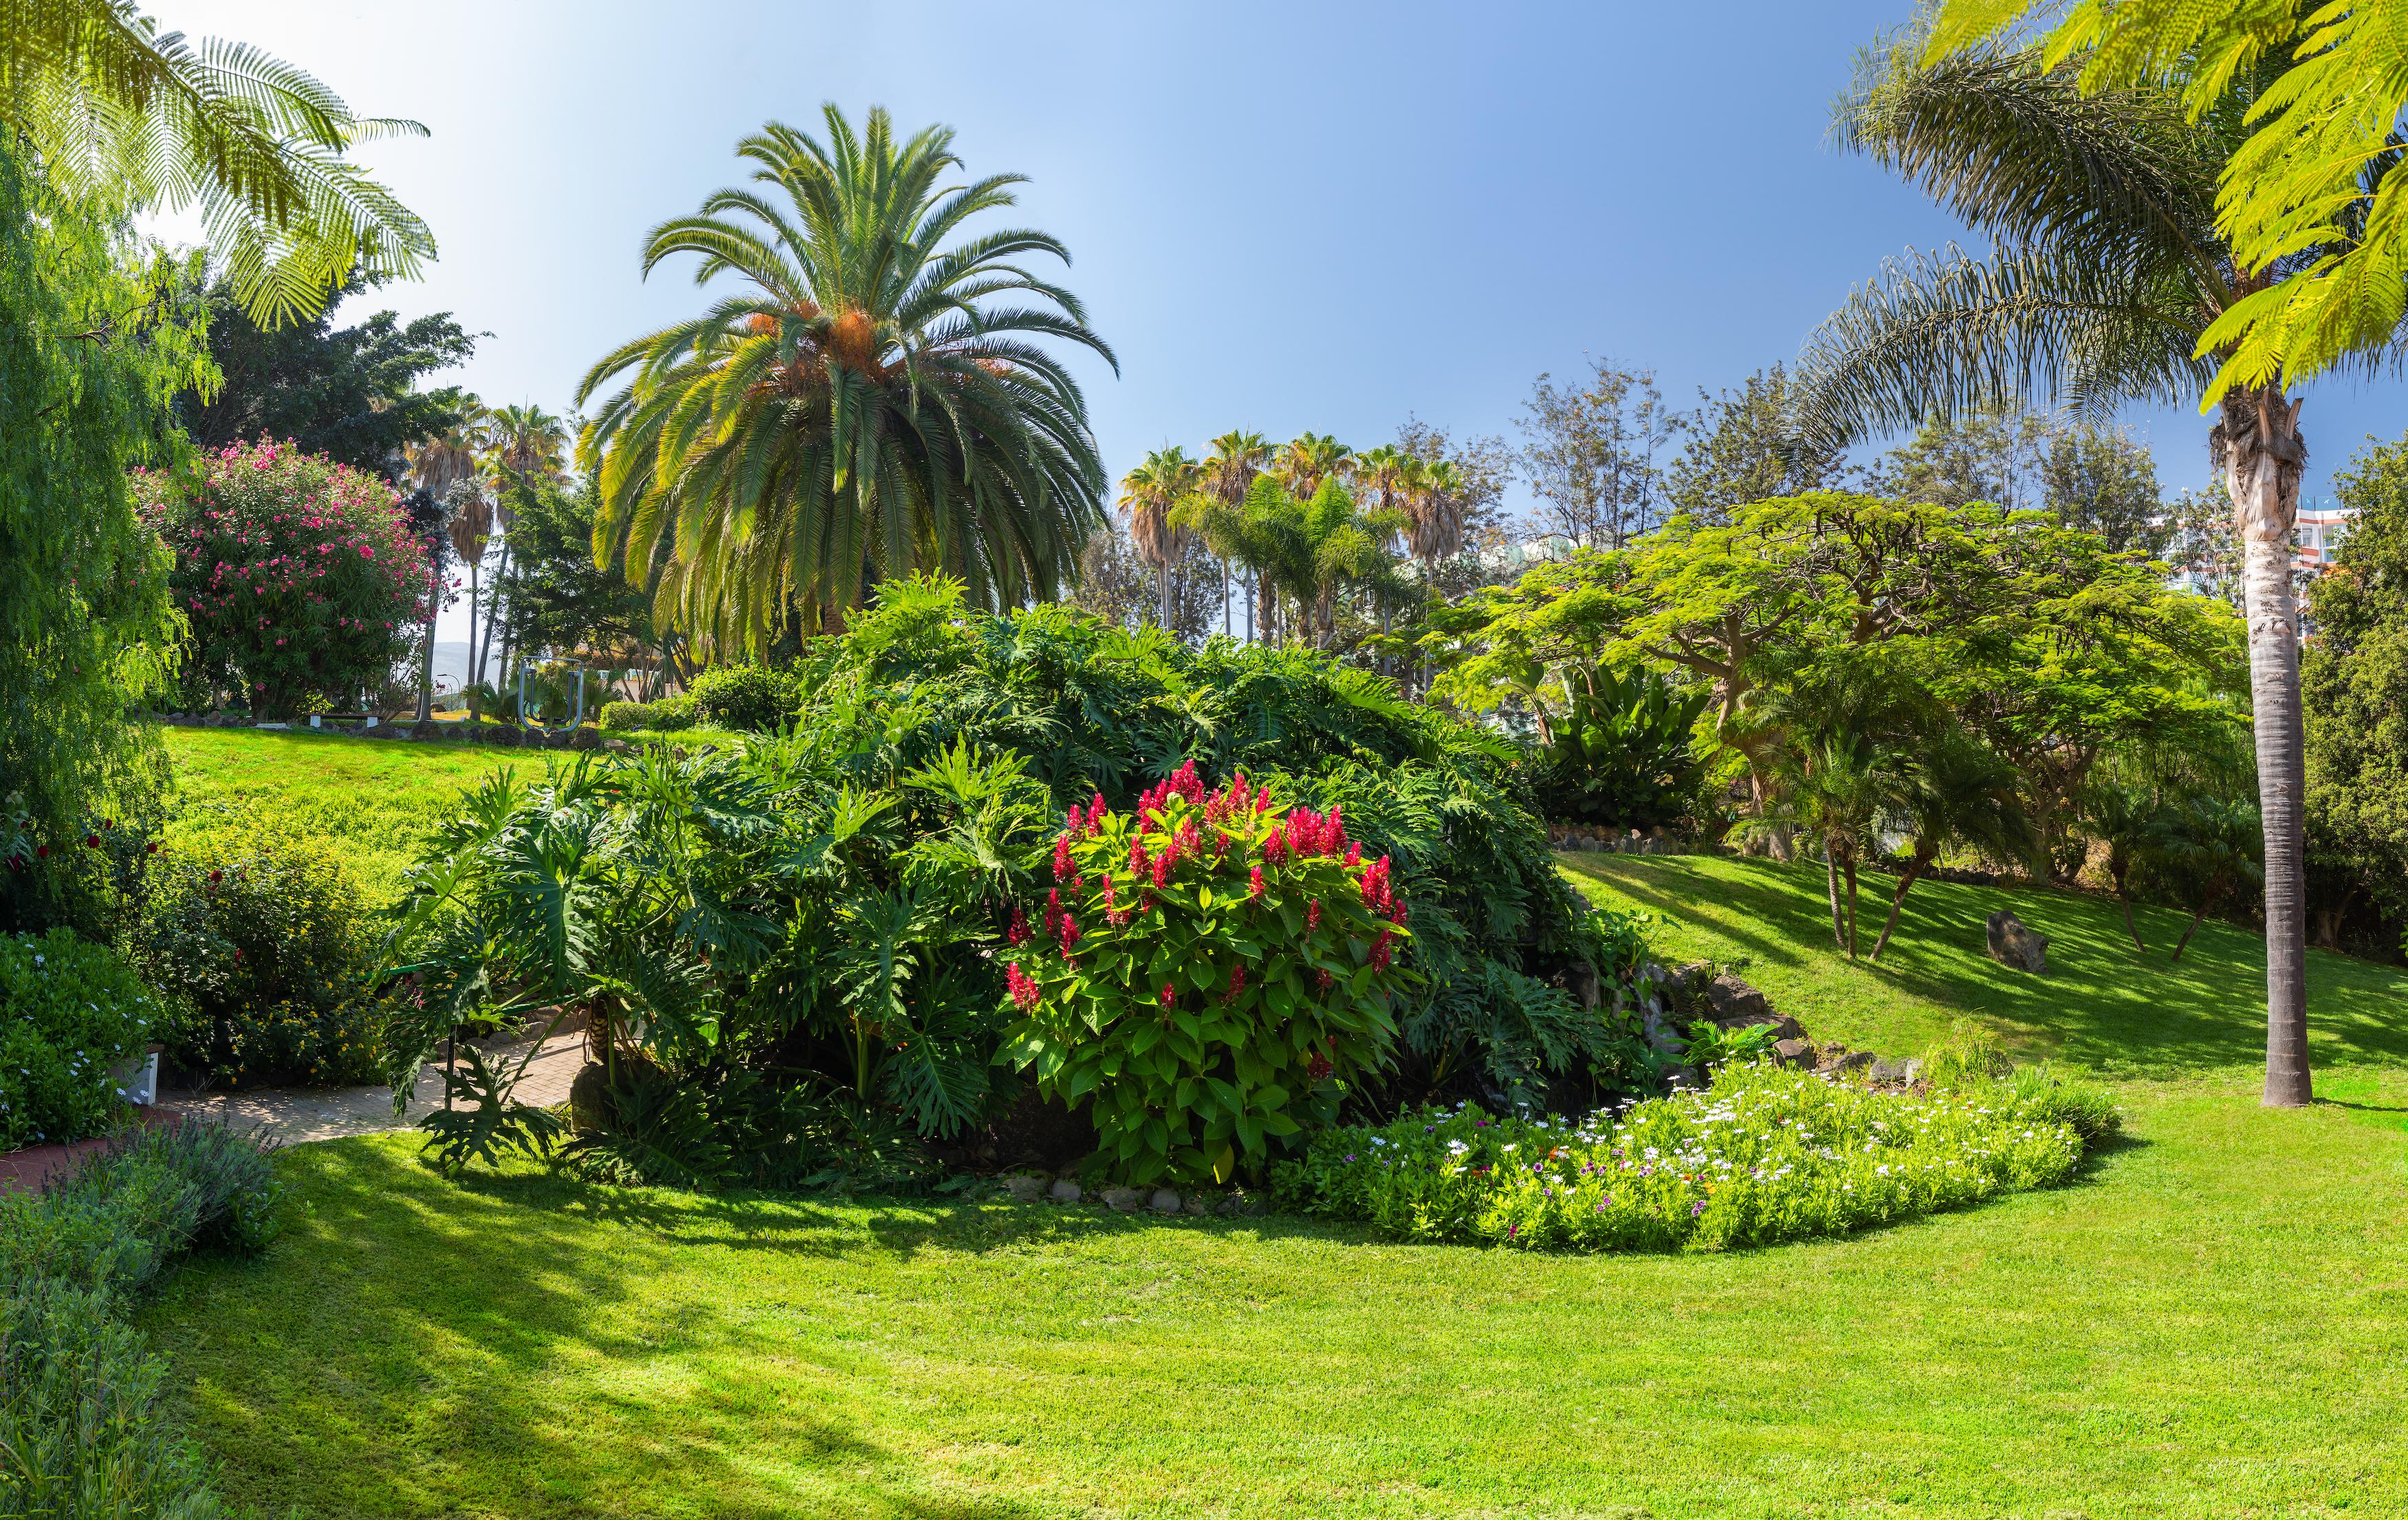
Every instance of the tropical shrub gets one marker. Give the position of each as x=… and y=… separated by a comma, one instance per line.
x=1622, y=752
x=264, y=958
x=81, y=1413
x=668, y=715
x=788, y=947
x=744, y=696
x=299, y=576
x=1206, y=971
x=1766, y=1154
x=68, y=1011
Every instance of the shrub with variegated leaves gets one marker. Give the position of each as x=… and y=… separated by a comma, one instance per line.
x=1209, y=972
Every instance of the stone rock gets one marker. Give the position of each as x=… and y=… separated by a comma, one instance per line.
x=1164, y=1201
x=1794, y=1053
x=2010, y=943
x=1126, y=1201
x=1065, y=1191
x=1028, y=1187
x=1845, y=1062
x=1735, y=1002
x=585, y=738
x=428, y=729
x=1199, y=1204
x=1911, y=1069
x=617, y=746
x=589, y=1098
x=1886, y=1070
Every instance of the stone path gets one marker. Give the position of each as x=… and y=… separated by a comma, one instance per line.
x=296, y=1116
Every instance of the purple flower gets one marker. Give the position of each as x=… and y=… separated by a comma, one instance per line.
x=1697, y=1208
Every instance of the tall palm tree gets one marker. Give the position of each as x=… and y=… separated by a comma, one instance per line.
x=526, y=442
x=1229, y=471
x=1309, y=459
x=440, y=466
x=2108, y=270
x=864, y=407
x=1149, y=494
x=254, y=145
x=1433, y=503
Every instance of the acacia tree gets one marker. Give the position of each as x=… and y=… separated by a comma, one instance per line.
x=2109, y=282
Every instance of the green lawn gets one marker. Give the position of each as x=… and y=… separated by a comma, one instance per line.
x=2207, y=1325
x=378, y=800
x=2103, y=1005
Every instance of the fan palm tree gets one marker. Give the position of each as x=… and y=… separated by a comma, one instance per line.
x=1149, y=495
x=526, y=442
x=122, y=111
x=1309, y=459
x=1229, y=472
x=1433, y=506
x=866, y=407
x=2107, y=273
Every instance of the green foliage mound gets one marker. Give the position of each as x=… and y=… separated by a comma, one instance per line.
x=669, y=715
x=1766, y=1154
x=265, y=955
x=68, y=1011
x=786, y=942
x=81, y=1413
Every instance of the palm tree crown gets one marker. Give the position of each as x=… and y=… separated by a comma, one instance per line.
x=865, y=409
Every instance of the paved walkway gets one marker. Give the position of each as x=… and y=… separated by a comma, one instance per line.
x=297, y=1115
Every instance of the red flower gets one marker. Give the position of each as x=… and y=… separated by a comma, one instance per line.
x=1237, y=984
x=215, y=877
x=1061, y=866
x=1017, y=935
x=1168, y=997
x=1025, y=995
x=150, y=849
x=91, y=841
x=42, y=851
x=1313, y=914
x=1318, y=1068
x=1254, y=882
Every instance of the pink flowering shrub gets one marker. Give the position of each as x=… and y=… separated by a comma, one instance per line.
x=299, y=575
x=1208, y=971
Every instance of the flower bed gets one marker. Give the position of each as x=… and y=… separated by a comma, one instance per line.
x=1765, y=1155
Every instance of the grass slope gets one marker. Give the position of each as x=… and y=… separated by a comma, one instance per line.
x=2208, y=1326
x=2103, y=1005
x=378, y=800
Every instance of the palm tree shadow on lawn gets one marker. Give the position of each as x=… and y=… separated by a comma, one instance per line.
x=2102, y=1004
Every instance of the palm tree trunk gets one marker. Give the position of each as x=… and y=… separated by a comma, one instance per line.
x=1832, y=889
x=2192, y=928
x=1162, y=596
x=1849, y=868
x=475, y=670
x=2122, y=898
x=1897, y=900
x=2263, y=454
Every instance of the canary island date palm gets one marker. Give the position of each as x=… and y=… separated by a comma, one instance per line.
x=2107, y=270
x=878, y=400
x=1149, y=495
x=123, y=112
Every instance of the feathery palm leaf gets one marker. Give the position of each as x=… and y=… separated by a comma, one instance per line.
x=254, y=145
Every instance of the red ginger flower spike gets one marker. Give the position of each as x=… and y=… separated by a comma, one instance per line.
x=1138, y=861
x=1254, y=882
x=1062, y=864
x=1168, y=997
x=1017, y=935
x=1354, y=856
x=1380, y=952
x=1237, y=984
x=1070, y=935
x=1313, y=914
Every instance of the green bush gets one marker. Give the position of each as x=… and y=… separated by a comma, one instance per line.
x=68, y=1011
x=1209, y=972
x=1622, y=752
x=265, y=961
x=81, y=1418
x=744, y=696
x=668, y=715
x=1766, y=1154
x=2084, y=1107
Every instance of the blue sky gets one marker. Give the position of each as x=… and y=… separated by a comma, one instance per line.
x=1284, y=216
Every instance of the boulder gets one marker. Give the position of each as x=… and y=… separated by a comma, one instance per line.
x=1735, y=1002
x=589, y=1098
x=1126, y=1201
x=1888, y=1071
x=585, y=738
x=428, y=728
x=1028, y=1187
x=1199, y=1203
x=2010, y=943
x=1065, y=1191
x=1164, y=1201
x=1845, y=1062
x=1794, y=1051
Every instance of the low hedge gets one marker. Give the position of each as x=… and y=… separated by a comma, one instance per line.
x=668, y=715
x=746, y=696
x=265, y=957
x=69, y=1009
x=81, y=1418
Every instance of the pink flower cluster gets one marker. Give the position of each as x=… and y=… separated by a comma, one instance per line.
x=1022, y=987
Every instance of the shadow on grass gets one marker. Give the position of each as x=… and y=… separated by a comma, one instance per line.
x=2102, y=1002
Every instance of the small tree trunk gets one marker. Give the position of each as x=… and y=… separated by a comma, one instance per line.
x=2190, y=929
x=2262, y=452
x=1896, y=900
x=2125, y=898
x=1831, y=888
x=1848, y=867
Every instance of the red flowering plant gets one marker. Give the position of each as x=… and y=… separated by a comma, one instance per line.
x=1209, y=971
x=299, y=576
